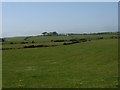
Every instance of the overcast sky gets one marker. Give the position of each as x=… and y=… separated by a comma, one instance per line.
x=33, y=18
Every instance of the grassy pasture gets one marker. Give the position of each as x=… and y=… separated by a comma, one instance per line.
x=83, y=65
x=22, y=45
x=39, y=39
x=46, y=40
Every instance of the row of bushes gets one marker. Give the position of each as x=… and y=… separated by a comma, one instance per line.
x=112, y=37
x=21, y=42
x=35, y=46
x=58, y=40
x=100, y=38
x=29, y=46
x=80, y=40
x=72, y=40
x=68, y=43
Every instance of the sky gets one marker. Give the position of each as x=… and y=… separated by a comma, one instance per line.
x=0, y=19
x=33, y=18
x=60, y=0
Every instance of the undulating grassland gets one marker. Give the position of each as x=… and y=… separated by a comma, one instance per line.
x=92, y=64
x=41, y=39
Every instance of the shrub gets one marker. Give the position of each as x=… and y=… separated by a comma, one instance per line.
x=83, y=40
x=100, y=38
x=24, y=42
x=58, y=40
x=11, y=43
x=34, y=46
x=30, y=46
x=73, y=40
x=67, y=43
x=33, y=41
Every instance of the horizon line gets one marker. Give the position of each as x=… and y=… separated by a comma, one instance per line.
x=59, y=33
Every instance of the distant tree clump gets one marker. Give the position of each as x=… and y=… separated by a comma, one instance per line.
x=54, y=33
x=45, y=33
x=50, y=33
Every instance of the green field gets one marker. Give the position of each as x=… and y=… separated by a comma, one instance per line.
x=40, y=39
x=92, y=64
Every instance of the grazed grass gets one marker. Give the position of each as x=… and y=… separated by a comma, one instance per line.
x=83, y=65
x=49, y=38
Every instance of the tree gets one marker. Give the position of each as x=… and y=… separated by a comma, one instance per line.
x=55, y=33
x=45, y=33
x=50, y=34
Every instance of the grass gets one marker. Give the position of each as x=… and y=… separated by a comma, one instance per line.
x=49, y=38
x=84, y=65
